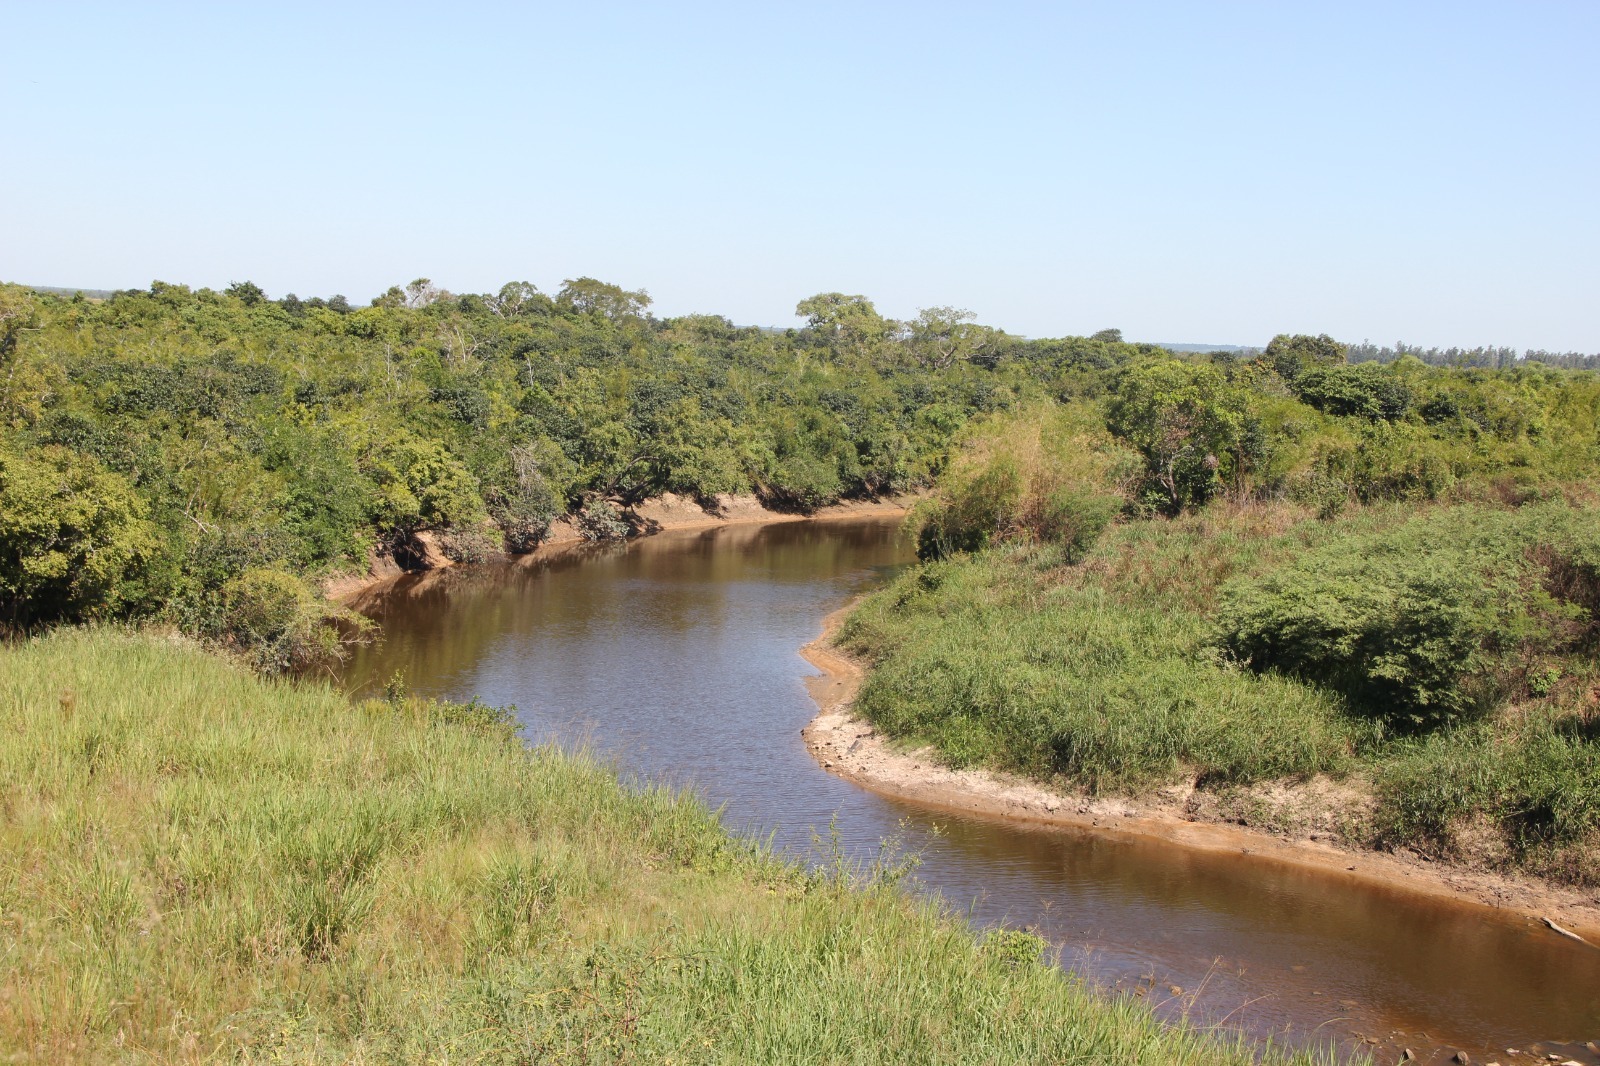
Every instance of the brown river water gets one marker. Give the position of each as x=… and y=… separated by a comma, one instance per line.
x=677, y=657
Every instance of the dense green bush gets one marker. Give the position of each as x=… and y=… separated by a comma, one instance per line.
x=1048, y=475
x=273, y=619
x=1366, y=390
x=1292, y=355
x=1395, y=634
x=1193, y=425
x=1001, y=659
x=74, y=538
x=1537, y=777
x=1424, y=624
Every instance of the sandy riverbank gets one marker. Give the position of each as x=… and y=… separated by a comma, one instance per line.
x=658, y=514
x=850, y=748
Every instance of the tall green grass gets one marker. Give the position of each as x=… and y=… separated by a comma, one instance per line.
x=1114, y=672
x=1100, y=673
x=197, y=865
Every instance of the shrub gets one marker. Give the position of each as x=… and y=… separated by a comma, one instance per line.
x=970, y=514
x=600, y=519
x=804, y=480
x=1424, y=624
x=1367, y=390
x=1074, y=517
x=423, y=486
x=1394, y=635
x=1191, y=423
x=1043, y=476
x=1294, y=354
x=277, y=623
x=1537, y=778
x=74, y=540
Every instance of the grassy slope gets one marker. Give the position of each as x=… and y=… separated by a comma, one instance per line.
x=196, y=864
x=1103, y=674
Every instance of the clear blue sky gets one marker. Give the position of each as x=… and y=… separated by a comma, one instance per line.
x=1184, y=171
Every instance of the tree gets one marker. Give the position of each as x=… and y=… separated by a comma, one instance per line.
x=73, y=538
x=515, y=298
x=1108, y=336
x=17, y=313
x=589, y=296
x=423, y=486
x=246, y=292
x=1190, y=424
x=846, y=322
x=1365, y=390
x=1292, y=355
x=944, y=336
x=422, y=292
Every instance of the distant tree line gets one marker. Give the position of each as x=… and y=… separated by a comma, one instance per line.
x=1486, y=357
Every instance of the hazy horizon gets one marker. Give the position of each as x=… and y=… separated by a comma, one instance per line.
x=1209, y=177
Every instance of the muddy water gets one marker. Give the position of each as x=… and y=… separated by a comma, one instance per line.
x=677, y=655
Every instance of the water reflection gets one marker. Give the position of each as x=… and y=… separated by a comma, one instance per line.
x=677, y=655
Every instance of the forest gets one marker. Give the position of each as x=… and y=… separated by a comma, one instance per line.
x=202, y=459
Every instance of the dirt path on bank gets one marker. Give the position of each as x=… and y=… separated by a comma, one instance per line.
x=851, y=748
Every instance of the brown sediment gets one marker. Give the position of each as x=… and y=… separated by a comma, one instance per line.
x=658, y=514
x=851, y=748
x=671, y=512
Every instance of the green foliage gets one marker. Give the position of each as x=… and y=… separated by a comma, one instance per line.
x=427, y=412
x=1395, y=633
x=1535, y=777
x=1366, y=391
x=1292, y=355
x=848, y=322
x=246, y=292
x=1443, y=660
x=74, y=539
x=423, y=486
x=302, y=435
x=1417, y=625
x=1009, y=660
x=1045, y=475
x=968, y=516
x=279, y=624
x=1192, y=425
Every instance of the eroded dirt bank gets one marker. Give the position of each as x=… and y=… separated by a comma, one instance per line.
x=851, y=748
x=658, y=514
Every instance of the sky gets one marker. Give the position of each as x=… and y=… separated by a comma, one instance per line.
x=1186, y=172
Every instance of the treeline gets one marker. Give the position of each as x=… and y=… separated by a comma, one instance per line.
x=199, y=456
x=1161, y=434
x=195, y=455
x=1489, y=357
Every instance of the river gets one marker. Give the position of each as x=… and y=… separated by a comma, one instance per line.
x=677, y=656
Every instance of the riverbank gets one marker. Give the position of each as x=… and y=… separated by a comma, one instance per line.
x=200, y=865
x=850, y=747
x=659, y=514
